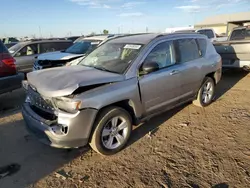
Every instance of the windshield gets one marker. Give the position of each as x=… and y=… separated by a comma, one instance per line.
x=112, y=57
x=82, y=47
x=15, y=48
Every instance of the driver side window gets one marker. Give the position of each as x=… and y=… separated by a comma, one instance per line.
x=28, y=50
x=162, y=54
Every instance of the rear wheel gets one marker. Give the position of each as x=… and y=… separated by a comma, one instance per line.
x=206, y=93
x=112, y=131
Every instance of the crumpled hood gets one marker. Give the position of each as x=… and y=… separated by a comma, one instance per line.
x=63, y=81
x=58, y=56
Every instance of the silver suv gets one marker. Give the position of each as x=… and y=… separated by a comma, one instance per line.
x=125, y=81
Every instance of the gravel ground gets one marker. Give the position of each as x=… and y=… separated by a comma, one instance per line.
x=186, y=147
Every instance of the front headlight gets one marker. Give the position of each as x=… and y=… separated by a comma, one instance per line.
x=67, y=105
x=25, y=84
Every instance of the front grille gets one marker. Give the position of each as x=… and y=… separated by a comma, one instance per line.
x=44, y=114
x=50, y=63
x=39, y=102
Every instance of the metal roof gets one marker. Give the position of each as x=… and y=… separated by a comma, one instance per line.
x=225, y=18
x=136, y=39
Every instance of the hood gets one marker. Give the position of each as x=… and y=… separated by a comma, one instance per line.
x=58, y=56
x=63, y=81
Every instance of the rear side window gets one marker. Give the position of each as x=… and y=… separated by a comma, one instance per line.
x=54, y=46
x=238, y=34
x=47, y=47
x=3, y=49
x=187, y=50
x=202, y=46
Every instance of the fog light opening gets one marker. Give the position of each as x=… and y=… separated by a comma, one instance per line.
x=64, y=129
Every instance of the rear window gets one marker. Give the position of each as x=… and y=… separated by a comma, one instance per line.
x=202, y=46
x=208, y=32
x=187, y=50
x=240, y=34
x=3, y=49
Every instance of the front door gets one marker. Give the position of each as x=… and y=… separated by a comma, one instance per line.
x=160, y=89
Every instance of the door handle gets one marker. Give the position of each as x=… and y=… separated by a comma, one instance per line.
x=213, y=65
x=174, y=72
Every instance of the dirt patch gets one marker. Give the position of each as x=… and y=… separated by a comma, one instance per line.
x=186, y=147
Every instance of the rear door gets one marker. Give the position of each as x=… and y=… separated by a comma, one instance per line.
x=161, y=89
x=25, y=57
x=191, y=63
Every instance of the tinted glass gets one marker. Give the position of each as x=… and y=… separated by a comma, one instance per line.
x=187, y=50
x=28, y=50
x=209, y=33
x=48, y=47
x=238, y=34
x=202, y=46
x=82, y=47
x=163, y=54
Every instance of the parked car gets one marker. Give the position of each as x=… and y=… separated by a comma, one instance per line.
x=210, y=33
x=26, y=53
x=125, y=81
x=72, y=55
x=235, y=52
x=9, y=79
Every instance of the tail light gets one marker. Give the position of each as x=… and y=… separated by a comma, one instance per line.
x=7, y=64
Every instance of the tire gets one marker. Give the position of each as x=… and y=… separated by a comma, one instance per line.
x=202, y=93
x=108, y=139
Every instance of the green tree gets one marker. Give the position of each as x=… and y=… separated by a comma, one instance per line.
x=105, y=31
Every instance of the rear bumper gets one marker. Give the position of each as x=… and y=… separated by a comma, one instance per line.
x=236, y=64
x=79, y=128
x=10, y=83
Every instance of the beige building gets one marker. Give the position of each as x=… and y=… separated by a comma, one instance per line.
x=225, y=23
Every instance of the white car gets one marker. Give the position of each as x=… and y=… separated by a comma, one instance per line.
x=73, y=54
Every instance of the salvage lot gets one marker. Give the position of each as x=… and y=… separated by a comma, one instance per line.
x=186, y=147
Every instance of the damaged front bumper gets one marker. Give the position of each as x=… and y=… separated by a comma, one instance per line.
x=66, y=131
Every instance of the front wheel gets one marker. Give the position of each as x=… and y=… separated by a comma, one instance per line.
x=112, y=131
x=206, y=93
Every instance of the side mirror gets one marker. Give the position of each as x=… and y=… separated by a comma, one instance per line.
x=150, y=67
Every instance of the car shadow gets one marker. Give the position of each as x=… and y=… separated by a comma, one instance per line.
x=10, y=103
x=151, y=127
x=229, y=79
x=34, y=159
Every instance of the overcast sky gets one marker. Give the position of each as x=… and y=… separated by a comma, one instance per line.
x=75, y=17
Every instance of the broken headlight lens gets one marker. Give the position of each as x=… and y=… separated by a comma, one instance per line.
x=67, y=105
x=25, y=84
